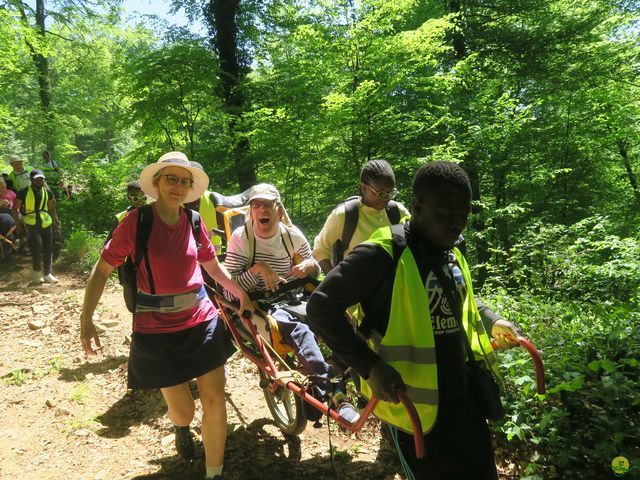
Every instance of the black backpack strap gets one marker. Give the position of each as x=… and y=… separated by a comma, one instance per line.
x=143, y=231
x=398, y=242
x=350, y=220
x=194, y=220
x=393, y=212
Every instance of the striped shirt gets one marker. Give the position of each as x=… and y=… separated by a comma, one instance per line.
x=272, y=251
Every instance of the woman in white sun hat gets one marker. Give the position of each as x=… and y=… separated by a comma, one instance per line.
x=177, y=335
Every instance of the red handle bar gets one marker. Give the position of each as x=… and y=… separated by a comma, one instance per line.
x=537, y=361
x=418, y=438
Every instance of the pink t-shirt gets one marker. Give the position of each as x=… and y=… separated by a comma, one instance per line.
x=174, y=258
x=7, y=196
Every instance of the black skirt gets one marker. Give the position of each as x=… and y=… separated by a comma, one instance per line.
x=158, y=360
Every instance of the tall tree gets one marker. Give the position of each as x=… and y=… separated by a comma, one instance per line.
x=221, y=17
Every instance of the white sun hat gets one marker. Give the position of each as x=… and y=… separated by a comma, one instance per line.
x=175, y=159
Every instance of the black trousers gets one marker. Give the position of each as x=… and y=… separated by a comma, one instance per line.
x=457, y=448
x=41, y=243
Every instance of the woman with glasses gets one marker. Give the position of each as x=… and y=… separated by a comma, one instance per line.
x=371, y=211
x=176, y=332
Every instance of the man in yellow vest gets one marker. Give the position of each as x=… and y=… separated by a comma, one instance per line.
x=41, y=220
x=416, y=293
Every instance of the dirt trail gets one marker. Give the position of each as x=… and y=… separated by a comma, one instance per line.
x=66, y=417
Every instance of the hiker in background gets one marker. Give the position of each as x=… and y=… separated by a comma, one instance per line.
x=177, y=334
x=19, y=175
x=353, y=221
x=7, y=197
x=41, y=220
x=136, y=198
x=52, y=171
x=7, y=223
x=207, y=209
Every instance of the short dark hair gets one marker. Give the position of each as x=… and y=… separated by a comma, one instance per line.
x=377, y=169
x=133, y=185
x=432, y=175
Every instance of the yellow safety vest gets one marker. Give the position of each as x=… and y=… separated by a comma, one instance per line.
x=408, y=344
x=31, y=212
x=208, y=215
x=121, y=215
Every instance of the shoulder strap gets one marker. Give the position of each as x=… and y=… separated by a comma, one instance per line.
x=398, y=242
x=350, y=220
x=248, y=231
x=393, y=212
x=287, y=240
x=143, y=231
x=194, y=220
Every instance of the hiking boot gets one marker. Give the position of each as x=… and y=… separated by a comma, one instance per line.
x=49, y=278
x=36, y=277
x=348, y=412
x=184, y=443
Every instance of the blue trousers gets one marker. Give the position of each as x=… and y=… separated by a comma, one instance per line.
x=299, y=336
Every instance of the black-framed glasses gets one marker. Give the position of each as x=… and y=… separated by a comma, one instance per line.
x=383, y=195
x=174, y=179
x=255, y=204
x=137, y=198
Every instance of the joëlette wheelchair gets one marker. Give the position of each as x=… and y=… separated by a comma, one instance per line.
x=286, y=388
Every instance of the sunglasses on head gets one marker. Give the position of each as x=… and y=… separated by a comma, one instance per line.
x=259, y=203
x=174, y=179
x=383, y=195
x=137, y=198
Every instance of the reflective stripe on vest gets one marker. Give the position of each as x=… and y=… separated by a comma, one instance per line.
x=409, y=345
x=208, y=215
x=31, y=212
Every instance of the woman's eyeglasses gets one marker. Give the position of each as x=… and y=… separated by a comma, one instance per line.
x=255, y=204
x=137, y=198
x=384, y=195
x=174, y=179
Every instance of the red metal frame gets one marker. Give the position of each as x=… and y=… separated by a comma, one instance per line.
x=268, y=366
x=535, y=356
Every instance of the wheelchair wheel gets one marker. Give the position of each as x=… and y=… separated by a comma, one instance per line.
x=286, y=408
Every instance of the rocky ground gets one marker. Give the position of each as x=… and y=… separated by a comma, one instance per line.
x=68, y=417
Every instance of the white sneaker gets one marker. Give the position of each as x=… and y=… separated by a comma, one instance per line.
x=49, y=278
x=36, y=277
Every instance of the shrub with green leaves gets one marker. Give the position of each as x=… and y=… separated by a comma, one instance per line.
x=82, y=250
x=581, y=261
x=591, y=412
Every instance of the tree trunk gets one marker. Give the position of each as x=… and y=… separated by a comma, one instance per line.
x=477, y=222
x=41, y=62
x=221, y=18
x=622, y=148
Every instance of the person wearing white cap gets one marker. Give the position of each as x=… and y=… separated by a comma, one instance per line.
x=41, y=220
x=19, y=175
x=268, y=251
x=177, y=334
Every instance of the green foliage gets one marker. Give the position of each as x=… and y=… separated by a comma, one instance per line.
x=16, y=377
x=81, y=250
x=591, y=410
x=587, y=261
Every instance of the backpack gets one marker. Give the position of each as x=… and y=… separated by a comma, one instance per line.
x=128, y=271
x=350, y=223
